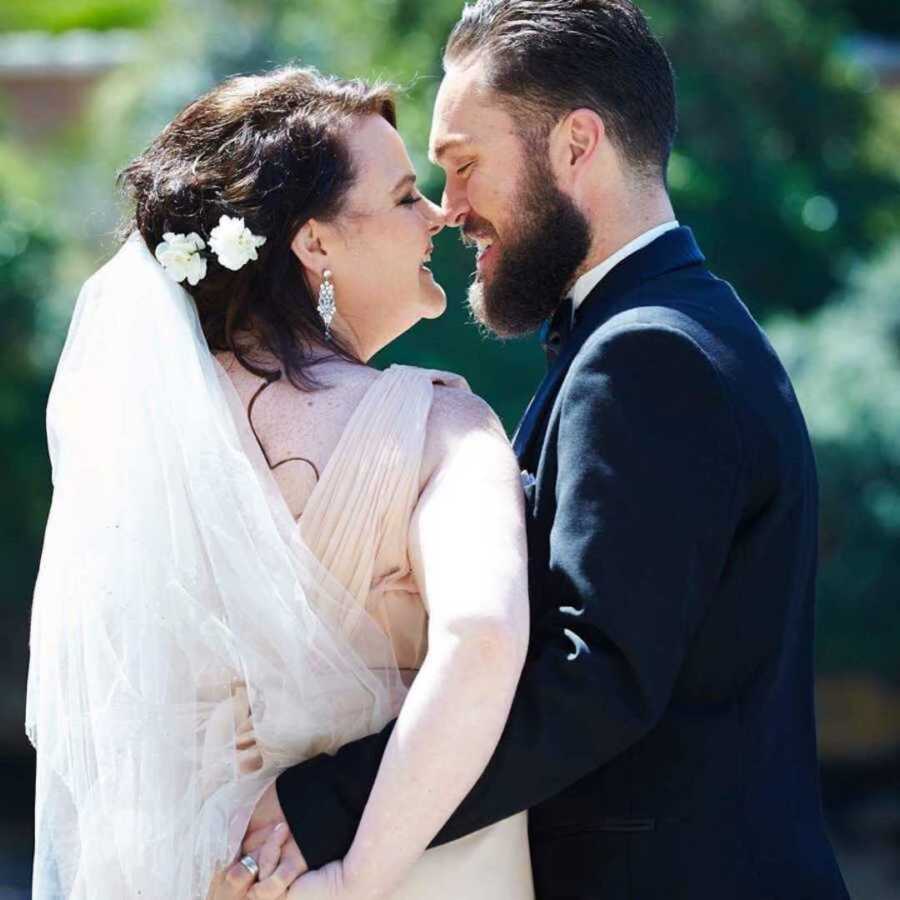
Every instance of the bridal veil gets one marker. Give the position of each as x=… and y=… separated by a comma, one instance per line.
x=175, y=604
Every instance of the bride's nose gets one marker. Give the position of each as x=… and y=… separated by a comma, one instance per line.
x=435, y=217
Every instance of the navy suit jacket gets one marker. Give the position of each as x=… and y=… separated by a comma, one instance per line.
x=663, y=734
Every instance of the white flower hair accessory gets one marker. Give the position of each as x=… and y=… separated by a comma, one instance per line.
x=234, y=243
x=179, y=255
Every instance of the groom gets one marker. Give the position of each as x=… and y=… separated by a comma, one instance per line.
x=663, y=735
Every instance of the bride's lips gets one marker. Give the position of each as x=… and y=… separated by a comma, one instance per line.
x=423, y=266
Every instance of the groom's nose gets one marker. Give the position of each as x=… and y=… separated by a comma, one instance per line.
x=455, y=205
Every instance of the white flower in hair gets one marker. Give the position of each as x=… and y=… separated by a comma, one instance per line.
x=179, y=255
x=234, y=243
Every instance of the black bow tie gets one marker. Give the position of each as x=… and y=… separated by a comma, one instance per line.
x=555, y=331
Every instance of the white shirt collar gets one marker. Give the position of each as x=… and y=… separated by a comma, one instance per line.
x=587, y=282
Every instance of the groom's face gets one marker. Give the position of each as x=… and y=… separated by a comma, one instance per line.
x=502, y=193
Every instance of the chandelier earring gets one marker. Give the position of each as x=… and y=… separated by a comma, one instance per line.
x=326, y=307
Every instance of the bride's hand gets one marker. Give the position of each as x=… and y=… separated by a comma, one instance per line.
x=274, y=881
x=267, y=850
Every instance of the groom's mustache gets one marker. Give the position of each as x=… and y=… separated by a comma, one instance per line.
x=474, y=228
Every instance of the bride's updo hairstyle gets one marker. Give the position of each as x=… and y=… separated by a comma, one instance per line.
x=270, y=149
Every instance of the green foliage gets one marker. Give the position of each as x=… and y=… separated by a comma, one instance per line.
x=63, y=15
x=26, y=277
x=770, y=167
x=845, y=364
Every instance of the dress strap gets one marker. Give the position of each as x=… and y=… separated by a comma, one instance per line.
x=370, y=485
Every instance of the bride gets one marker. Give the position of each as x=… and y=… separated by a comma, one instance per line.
x=259, y=547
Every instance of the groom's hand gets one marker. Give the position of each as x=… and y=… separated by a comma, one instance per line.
x=268, y=812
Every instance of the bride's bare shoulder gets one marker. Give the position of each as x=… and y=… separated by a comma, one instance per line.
x=463, y=427
x=457, y=410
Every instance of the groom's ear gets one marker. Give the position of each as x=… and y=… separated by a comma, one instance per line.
x=308, y=247
x=581, y=133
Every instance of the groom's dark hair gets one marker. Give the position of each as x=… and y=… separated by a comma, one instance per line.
x=546, y=58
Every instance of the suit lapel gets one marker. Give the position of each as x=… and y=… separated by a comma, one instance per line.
x=675, y=249
x=542, y=402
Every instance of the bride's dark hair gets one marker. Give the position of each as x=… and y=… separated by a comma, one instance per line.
x=271, y=149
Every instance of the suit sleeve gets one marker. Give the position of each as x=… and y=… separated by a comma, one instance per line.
x=648, y=459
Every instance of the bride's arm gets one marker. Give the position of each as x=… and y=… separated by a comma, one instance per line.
x=468, y=551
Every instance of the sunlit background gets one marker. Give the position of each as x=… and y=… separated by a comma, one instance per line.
x=787, y=167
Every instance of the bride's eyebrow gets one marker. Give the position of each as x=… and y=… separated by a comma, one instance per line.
x=408, y=179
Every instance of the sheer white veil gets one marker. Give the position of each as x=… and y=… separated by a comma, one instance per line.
x=176, y=607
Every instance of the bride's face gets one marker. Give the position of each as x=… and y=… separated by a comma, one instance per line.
x=379, y=247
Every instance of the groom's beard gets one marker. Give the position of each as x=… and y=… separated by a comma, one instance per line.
x=537, y=265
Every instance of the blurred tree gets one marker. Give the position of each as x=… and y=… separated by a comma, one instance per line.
x=845, y=364
x=770, y=167
x=27, y=250
x=27, y=264
x=63, y=15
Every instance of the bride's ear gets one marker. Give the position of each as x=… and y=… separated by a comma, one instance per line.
x=309, y=248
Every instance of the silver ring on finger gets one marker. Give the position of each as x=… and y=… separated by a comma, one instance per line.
x=249, y=863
